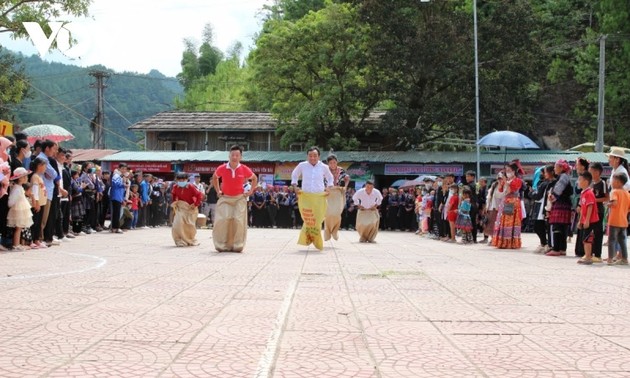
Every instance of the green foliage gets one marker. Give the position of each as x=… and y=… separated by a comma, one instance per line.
x=13, y=85
x=316, y=74
x=61, y=94
x=14, y=12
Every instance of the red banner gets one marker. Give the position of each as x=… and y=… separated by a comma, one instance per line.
x=207, y=168
x=146, y=166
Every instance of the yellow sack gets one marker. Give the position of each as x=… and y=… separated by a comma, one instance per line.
x=229, y=231
x=184, y=230
x=336, y=201
x=313, y=210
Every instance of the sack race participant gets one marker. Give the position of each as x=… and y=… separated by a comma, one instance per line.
x=316, y=182
x=336, y=199
x=186, y=200
x=335, y=203
x=229, y=231
x=367, y=200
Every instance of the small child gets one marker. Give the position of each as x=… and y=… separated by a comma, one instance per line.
x=618, y=219
x=464, y=222
x=27, y=236
x=20, y=214
x=588, y=216
x=134, y=201
x=452, y=210
x=40, y=201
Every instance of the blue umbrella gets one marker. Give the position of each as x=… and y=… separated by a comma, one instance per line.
x=507, y=139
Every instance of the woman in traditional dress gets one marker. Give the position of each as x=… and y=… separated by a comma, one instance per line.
x=496, y=194
x=560, y=215
x=507, y=233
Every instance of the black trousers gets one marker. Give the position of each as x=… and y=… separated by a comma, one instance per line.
x=62, y=214
x=598, y=236
x=474, y=211
x=116, y=207
x=559, y=236
x=579, y=243
x=36, y=228
x=51, y=223
x=540, y=228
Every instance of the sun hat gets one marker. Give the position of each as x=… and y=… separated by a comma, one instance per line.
x=19, y=172
x=617, y=152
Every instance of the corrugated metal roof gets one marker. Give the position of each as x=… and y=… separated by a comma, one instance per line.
x=187, y=121
x=391, y=157
x=90, y=154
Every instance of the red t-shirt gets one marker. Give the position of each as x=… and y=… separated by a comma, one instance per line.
x=232, y=181
x=135, y=200
x=189, y=194
x=587, y=198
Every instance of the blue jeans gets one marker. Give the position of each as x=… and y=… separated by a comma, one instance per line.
x=134, y=221
x=617, y=237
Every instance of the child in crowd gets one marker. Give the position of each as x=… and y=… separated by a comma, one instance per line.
x=27, y=236
x=134, y=201
x=464, y=222
x=588, y=216
x=40, y=201
x=618, y=220
x=20, y=214
x=452, y=210
x=600, y=189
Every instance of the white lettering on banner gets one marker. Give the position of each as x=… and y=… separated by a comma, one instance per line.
x=420, y=169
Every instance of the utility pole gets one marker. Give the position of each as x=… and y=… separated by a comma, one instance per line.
x=97, y=124
x=599, y=145
x=476, y=89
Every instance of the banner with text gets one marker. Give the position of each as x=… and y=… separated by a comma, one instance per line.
x=423, y=169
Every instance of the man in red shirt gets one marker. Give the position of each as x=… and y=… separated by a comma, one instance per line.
x=588, y=216
x=230, y=224
x=186, y=200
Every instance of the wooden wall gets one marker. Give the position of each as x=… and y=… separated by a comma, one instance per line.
x=196, y=141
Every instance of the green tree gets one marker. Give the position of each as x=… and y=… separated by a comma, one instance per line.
x=14, y=12
x=315, y=74
x=13, y=84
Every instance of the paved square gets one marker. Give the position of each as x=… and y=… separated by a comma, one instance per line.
x=135, y=305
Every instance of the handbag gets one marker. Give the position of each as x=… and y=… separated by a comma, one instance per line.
x=508, y=209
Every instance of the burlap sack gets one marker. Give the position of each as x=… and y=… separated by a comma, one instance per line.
x=367, y=225
x=313, y=211
x=230, y=224
x=184, y=228
x=336, y=201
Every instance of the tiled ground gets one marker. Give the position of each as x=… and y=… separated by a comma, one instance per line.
x=134, y=305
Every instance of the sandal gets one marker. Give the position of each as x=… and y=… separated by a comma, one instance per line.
x=585, y=261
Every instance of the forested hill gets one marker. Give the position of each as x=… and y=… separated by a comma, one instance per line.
x=62, y=94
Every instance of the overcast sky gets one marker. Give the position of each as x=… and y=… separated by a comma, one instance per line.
x=140, y=35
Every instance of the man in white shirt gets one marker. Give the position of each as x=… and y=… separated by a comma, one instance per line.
x=316, y=181
x=316, y=176
x=367, y=200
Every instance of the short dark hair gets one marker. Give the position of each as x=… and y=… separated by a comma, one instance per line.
x=597, y=166
x=586, y=175
x=47, y=144
x=36, y=163
x=582, y=161
x=621, y=177
x=236, y=147
x=123, y=165
x=467, y=191
x=37, y=144
x=471, y=173
x=332, y=157
x=549, y=168
x=182, y=175
x=20, y=136
x=313, y=148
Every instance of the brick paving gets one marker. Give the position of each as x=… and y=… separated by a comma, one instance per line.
x=134, y=305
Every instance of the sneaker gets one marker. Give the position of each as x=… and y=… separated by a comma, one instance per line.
x=621, y=262
x=55, y=242
x=555, y=253
x=69, y=235
x=145, y=227
x=596, y=259
x=82, y=233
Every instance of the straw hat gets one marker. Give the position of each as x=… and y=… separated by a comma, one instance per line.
x=617, y=152
x=20, y=172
